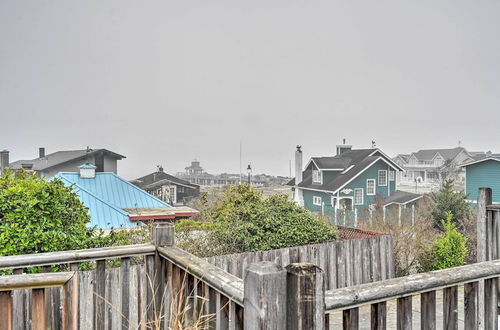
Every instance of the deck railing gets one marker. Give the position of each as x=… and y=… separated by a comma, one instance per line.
x=183, y=290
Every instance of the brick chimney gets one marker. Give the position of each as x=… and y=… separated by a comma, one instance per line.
x=41, y=152
x=4, y=159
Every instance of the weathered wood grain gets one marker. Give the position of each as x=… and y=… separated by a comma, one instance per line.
x=350, y=319
x=450, y=308
x=265, y=301
x=404, y=313
x=491, y=303
x=38, y=309
x=428, y=310
x=379, y=316
x=305, y=297
x=470, y=305
x=100, y=294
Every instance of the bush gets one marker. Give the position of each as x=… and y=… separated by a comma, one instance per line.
x=446, y=201
x=42, y=216
x=243, y=220
x=448, y=250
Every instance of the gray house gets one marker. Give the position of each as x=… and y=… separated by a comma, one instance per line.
x=48, y=165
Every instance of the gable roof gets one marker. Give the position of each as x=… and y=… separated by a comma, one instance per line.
x=160, y=177
x=496, y=159
x=354, y=162
x=109, y=197
x=61, y=157
x=429, y=154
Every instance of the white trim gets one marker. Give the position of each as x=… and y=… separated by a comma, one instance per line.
x=480, y=161
x=320, y=182
x=374, y=187
x=411, y=200
x=347, y=169
x=315, y=198
x=386, y=178
x=397, y=167
x=393, y=175
x=362, y=196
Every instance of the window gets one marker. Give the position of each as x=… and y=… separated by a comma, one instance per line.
x=391, y=175
x=382, y=178
x=358, y=196
x=317, y=200
x=317, y=176
x=370, y=187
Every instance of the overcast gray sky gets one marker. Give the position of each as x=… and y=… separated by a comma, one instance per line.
x=164, y=82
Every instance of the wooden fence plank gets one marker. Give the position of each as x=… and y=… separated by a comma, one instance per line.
x=491, y=303
x=125, y=292
x=428, y=310
x=6, y=310
x=404, y=313
x=350, y=319
x=470, y=305
x=450, y=308
x=379, y=316
x=100, y=294
x=38, y=311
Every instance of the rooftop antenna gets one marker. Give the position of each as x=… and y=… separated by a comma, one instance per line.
x=373, y=144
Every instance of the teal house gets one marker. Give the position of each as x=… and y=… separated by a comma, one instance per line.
x=484, y=173
x=351, y=180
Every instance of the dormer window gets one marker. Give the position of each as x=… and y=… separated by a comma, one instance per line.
x=317, y=176
x=87, y=171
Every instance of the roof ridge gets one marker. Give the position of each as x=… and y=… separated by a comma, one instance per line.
x=142, y=191
x=91, y=193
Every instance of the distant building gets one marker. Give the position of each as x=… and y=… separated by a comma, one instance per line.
x=351, y=180
x=483, y=173
x=167, y=187
x=196, y=175
x=48, y=165
x=431, y=166
x=113, y=202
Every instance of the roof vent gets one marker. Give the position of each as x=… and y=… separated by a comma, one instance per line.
x=87, y=171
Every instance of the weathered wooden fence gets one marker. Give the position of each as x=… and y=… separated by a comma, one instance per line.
x=345, y=263
x=180, y=289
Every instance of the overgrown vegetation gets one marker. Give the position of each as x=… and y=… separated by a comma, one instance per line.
x=241, y=219
x=449, y=249
x=447, y=201
x=45, y=216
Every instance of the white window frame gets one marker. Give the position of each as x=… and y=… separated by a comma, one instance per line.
x=374, y=187
x=392, y=175
x=355, y=202
x=320, y=176
x=317, y=200
x=385, y=183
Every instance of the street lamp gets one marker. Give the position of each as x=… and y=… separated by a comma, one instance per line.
x=249, y=171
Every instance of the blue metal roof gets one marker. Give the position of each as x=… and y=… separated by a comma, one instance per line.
x=107, y=195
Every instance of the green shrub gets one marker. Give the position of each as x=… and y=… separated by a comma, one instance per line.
x=42, y=216
x=448, y=250
x=446, y=201
x=243, y=220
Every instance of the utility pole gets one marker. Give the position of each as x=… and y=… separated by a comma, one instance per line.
x=249, y=171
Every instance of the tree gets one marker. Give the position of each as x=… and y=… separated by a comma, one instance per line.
x=242, y=220
x=448, y=250
x=42, y=216
x=446, y=201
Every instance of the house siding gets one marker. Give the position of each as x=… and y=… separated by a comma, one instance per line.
x=484, y=174
x=359, y=182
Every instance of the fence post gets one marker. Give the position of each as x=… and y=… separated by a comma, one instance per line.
x=162, y=235
x=265, y=298
x=305, y=297
x=484, y=198
x=355, y=217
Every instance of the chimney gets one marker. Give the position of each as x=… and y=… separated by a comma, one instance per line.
x=41, y=152
x=297, y=195
x=87, y=171
x=4, y=159
x=341, y=148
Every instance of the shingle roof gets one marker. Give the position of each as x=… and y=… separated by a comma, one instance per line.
x=109, y=196
x=354, y=160
x=159, y=178
x=429, y=154
x=59, y=157
x=400, y=197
